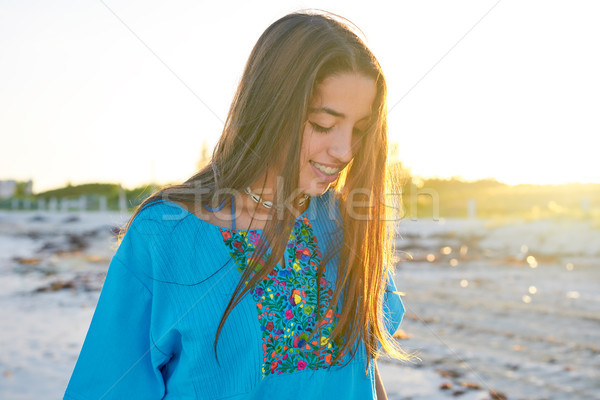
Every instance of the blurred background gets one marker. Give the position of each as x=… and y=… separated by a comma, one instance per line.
x=493, y=113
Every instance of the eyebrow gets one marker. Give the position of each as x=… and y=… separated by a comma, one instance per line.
x=331, y=112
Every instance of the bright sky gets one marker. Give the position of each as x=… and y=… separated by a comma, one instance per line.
x=128, y=91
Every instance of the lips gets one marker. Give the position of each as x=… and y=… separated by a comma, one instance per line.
x=327, y=170
x=319, y=171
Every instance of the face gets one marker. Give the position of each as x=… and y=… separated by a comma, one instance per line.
x=338, y=115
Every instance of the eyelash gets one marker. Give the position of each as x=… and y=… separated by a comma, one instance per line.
x=322, y=129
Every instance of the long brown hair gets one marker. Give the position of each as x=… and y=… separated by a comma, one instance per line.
x=265, y=122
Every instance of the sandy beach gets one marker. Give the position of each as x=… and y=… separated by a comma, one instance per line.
x=495, y=309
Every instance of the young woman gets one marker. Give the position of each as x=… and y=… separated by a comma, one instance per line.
x=266, y=274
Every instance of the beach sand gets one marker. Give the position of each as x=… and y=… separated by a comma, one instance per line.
x=495, y=309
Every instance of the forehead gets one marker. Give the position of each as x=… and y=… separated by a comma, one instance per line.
x=349, y=95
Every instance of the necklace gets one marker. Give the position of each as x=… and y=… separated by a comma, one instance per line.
x=269, y=204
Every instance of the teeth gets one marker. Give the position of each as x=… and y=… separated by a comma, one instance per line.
x=324, y=169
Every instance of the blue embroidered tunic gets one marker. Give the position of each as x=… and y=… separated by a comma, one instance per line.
x=153, y=330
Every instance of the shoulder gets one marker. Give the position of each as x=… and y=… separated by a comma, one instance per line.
x=164, y=239
x=160, y=213
x=159, y=220
x=153, y=225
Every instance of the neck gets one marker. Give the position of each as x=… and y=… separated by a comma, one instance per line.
x=262, y=203
x=264, y=191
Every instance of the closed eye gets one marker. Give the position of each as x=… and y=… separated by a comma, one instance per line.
x=320, y=128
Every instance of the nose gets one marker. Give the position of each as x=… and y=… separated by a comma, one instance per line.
x=341, y=144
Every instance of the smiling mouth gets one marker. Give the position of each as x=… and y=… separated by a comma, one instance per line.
x=326, y=170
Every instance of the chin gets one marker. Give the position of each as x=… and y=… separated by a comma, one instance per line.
x=317, y=189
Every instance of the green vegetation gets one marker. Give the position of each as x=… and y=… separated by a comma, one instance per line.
x=421, y=198
x=95, y=190
x=491, y=199
x=92, y=191
x=72, y=192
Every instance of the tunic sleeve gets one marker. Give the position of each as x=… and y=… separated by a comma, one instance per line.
x=119, y=359
x=393, y=309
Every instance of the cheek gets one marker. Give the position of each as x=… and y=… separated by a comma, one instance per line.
x=304, y=152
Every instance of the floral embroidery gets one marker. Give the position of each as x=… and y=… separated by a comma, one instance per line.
x=286, y=301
